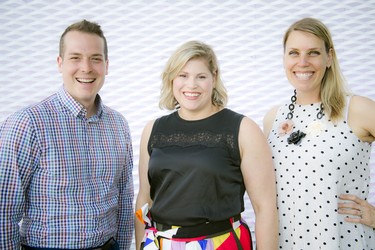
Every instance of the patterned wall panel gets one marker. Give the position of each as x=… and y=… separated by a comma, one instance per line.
x=246, y=35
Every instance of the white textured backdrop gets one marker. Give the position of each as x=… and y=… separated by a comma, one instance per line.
x=246, y=35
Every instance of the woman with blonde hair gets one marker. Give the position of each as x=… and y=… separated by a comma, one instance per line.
x=321, y=145
x=197, y=162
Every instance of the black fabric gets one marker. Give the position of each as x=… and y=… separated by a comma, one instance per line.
x=194, y=169
x=204, y=229
x=111, y=244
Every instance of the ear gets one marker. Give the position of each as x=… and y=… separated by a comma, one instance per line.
x=214, y=77
x=59, y=63
x=106, y=66
x=329, y=59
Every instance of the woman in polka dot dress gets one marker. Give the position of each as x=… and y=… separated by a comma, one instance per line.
x=321, y=145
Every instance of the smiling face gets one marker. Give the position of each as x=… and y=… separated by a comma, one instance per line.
x=83, y=66
x=192, y=88
x=306, y=61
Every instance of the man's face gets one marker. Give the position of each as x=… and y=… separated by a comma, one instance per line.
x=83, y=66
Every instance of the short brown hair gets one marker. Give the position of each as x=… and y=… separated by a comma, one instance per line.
x=87, y=27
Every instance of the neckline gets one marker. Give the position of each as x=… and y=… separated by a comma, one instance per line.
x=307, y=105
x=203, y=119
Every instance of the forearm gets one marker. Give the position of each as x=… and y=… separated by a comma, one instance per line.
x=125, y=222
x=141, y=218
x=11, y=206
x=266, y=230
x=9, y=232
x=125, y=232
x=139, y=232
x=125, y=211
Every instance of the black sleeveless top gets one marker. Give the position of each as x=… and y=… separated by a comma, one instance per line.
x=194, y=169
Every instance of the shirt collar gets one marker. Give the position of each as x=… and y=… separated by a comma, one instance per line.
x=77, y=109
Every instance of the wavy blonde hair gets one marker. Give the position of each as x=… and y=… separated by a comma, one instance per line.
x=186, y=52
x=333, y=85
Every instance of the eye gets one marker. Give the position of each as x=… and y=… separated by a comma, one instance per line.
x=293, y=53
x=74, y=58
x=202, y=77
x=314, y=53
x=97, y=59
x=182, y=75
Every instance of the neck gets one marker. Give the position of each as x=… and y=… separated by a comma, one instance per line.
x=91, y=109
x=199, y=115
x=307, y=99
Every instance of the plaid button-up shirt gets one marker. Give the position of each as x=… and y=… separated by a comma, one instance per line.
x=66, y=178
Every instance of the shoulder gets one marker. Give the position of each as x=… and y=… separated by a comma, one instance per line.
x=361, y=103
x=269, y=118
x=231, y=115
x=271, y=114
x=115, y=115
x=17, y=121
x=113, y=112
x=22, y=123
x=31, y=112
x=251, y=138
x=249, y=128
x=164, y=122
x=361, y=117
x=245, y=122
x=167, y=117
x=146, y=133
x=361, y=107
x=149, y=125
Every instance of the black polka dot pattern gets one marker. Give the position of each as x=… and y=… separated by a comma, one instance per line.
x=310, y=177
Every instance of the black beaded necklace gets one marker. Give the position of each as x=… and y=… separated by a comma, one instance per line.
x=297, y=136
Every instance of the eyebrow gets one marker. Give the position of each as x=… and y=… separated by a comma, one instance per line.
x=93, y=55
x=199, y=73
x=307, y=49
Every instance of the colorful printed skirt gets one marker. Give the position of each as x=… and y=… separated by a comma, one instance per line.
x=204, y=237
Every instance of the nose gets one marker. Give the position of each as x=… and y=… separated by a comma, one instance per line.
x=190, y=82
x=303, y=60
x=86, y=65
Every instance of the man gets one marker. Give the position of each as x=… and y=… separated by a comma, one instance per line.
x=66, y=163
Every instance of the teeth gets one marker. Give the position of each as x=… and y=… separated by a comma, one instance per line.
x=303, y=76
x=191, y=94
x=84, y=80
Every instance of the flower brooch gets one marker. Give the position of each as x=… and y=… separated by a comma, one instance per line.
x=315, y=128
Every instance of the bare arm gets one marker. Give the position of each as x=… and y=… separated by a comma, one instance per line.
x=259, y=176
x=144, y=186
x=361, y=119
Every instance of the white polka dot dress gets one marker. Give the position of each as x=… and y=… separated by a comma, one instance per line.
x=329, y=161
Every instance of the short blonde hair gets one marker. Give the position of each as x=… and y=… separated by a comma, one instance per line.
x=186, y=52
x=333, y=85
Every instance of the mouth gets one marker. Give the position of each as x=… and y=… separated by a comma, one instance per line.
x=191, y=94
x=303, y=76
x=85, y=80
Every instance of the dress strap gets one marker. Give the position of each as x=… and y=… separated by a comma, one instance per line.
x=348, y=98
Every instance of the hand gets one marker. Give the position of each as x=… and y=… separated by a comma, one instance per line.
x=363, y=211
